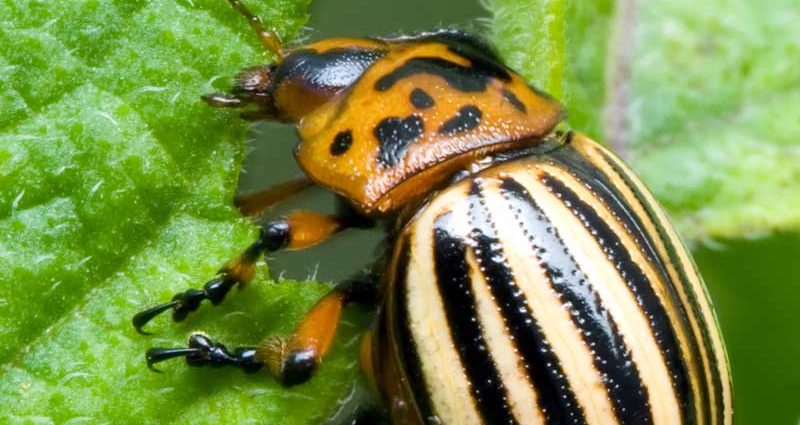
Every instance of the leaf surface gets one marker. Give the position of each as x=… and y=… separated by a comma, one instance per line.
x=115, y=193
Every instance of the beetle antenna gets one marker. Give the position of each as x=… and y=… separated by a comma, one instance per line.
x=269, y=38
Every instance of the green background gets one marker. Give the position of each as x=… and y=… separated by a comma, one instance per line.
x=754, y=283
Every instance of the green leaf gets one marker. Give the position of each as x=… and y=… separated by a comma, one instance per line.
x=115, y=193
x=531, y=38
x=726, y=136
x=701, y=97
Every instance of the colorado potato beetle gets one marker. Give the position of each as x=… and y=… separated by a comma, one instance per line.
x=529, y=276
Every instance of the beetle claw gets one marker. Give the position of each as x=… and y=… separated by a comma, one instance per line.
x=156, y=355
x=143, y=317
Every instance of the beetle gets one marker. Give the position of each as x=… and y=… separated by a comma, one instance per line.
x=529, y=276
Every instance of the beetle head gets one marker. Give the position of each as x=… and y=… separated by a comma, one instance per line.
x=301, y=81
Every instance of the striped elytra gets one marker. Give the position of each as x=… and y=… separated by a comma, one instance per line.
x=549, y=289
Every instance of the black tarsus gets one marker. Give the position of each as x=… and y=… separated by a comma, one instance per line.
x=273, y=236
x=297, y=368
x=186, y=302
x=203, y=351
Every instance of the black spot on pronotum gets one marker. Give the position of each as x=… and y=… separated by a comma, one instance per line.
x=467, y=118
x=461, y=40
x=394, y=135
x=473, y=78
x=514, y=101
x=420, y=99
x=341, y=142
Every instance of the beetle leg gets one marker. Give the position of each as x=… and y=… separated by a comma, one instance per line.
x=292, y=361
x=203, y=351
x=253, y=204
x=303, y=229
x=239, y=271
x=297, y=230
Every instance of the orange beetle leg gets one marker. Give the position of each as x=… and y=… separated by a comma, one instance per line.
x=291, y=360
x=294, y=360
x=253, y=204
x=303, y=229
x=296, y=230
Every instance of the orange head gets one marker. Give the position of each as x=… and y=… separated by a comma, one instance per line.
x=383, y=122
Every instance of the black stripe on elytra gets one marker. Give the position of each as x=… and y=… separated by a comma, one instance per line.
x=455, y=285
x=639, y=285
x=408, y=347
x=620, y=206
x=394, y=135
x=467, y=118
x=601, y=186
x=514, y=101
x=556, y=398
x=458, y=40
x=674, y=259
x=612, y=357
x=473, y=78
x=420, y=99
